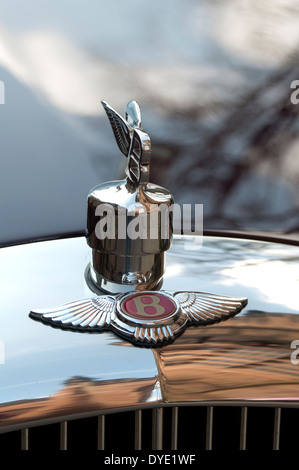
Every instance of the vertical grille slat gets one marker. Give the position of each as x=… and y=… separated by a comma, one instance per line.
x=25, y=439
x=277, y=421
x=101, y=432
x=63, y=435
x=157, y=440
x=138, y=429
x=209, y=428
x=174, y=428
x=243, y=429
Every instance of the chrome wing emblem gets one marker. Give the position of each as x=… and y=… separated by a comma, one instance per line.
x=132, y=141
x=146, y=318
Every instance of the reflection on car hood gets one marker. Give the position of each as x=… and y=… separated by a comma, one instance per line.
x=47, y=373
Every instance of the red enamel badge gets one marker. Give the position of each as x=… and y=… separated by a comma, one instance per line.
x=149, y=306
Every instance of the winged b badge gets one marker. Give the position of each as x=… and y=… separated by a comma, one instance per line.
x=145, y=318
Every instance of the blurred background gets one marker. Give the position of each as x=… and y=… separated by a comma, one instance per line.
x=213, y=79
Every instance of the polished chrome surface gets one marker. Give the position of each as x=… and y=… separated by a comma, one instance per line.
x=83, y=314
x=65, y=374
x=129, y=222
x=53, y=375
x=147, y=318
x=205, y=309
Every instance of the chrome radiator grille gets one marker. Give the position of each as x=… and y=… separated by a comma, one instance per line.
x=182, y=428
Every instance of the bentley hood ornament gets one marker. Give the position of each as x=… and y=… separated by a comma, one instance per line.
x=146, y=318
x=129, y=222
x=132, y=141
x=129, y=229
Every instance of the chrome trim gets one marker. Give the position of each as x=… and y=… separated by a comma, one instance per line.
x=100, y=285
x=117, y=261
x=158, y=434
x=173, y=311
x=268, y=237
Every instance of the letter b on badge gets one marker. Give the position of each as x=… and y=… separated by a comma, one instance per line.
x=148, y=305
